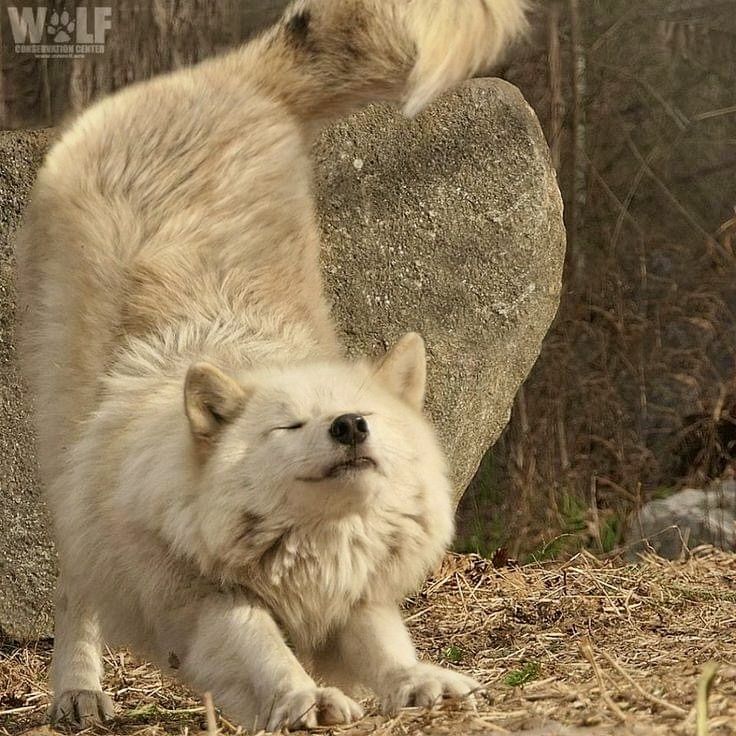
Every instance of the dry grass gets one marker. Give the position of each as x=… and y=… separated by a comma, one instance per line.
x=590, y=644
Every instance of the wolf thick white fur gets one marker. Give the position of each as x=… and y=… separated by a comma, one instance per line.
x=221, y=478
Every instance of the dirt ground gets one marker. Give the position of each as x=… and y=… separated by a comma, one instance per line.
x=582, y=647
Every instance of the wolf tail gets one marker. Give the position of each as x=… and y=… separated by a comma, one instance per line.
x=328, y=57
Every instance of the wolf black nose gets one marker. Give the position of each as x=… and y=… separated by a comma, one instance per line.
x=349, y=429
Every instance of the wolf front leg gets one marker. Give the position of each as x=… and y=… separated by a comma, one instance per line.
x=374, y=650
x=235, y=650
x=76, y=670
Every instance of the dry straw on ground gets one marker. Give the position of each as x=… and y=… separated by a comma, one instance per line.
x=596, y=646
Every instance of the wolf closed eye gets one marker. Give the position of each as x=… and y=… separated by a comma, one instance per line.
x=289, y=427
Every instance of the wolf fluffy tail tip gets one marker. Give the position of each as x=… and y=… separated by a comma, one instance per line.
x=455, y=40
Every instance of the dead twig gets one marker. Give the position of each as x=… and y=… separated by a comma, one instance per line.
x=651, y=698
x=587, y=650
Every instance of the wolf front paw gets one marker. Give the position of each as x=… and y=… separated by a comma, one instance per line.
x=312, y=707
x=426, y=686
x=81, y=709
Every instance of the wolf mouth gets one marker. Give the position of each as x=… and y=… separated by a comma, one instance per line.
x=356, y=463
x=353, y=464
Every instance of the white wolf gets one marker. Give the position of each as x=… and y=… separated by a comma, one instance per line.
x=221, y=478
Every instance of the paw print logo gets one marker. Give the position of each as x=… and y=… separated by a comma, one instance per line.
x=60, y=27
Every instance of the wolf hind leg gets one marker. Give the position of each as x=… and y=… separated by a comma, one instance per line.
x=77, y=669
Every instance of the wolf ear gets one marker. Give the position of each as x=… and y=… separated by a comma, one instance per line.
x=211, y=400
x=404, y=369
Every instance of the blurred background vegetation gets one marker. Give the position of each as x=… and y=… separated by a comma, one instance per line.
x=634, y=394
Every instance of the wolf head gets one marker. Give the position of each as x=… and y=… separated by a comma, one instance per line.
x=315, y=442
x=319, y=439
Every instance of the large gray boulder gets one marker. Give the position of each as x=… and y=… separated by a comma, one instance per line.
x=450, y=225
x=685, y=520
